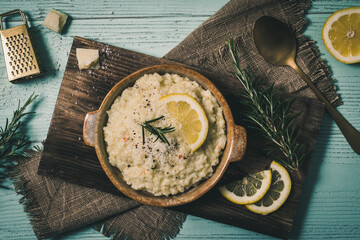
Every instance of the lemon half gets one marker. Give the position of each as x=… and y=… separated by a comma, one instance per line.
x=248, y=190
x=341, y=35
x=277, y=194
x=188, y=112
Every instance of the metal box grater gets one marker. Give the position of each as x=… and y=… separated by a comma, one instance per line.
x=20, y=58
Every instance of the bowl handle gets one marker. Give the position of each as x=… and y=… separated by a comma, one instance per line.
x=239, y=145
x=90, y=128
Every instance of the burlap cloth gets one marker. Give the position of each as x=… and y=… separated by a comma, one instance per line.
x=55, y=206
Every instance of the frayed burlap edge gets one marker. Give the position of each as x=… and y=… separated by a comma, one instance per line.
x=28, y=200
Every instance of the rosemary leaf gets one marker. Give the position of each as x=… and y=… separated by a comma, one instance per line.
x=157, y=131
x=154, y=120
x=270, y=115
x=12, y=142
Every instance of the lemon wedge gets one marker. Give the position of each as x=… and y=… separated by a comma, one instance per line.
x=277, y=194
x=341, y=35
x=188, y=112
x=248, y=190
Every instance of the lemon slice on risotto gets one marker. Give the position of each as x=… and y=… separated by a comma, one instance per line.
x=188, y=112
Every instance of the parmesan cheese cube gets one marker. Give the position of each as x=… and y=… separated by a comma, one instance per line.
x=55, y=20
x=87, y=58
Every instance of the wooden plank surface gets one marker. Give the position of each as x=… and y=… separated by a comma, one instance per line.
x=329, y=207
x=66, y=155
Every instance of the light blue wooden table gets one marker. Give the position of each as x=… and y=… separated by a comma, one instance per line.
x=330, y=205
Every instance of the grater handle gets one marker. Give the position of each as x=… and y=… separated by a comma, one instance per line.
x=12, y=13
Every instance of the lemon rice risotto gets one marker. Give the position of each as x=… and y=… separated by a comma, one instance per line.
x=147, y=163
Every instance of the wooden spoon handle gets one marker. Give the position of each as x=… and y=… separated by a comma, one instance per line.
x=350, y=133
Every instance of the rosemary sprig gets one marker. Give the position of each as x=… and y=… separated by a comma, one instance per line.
x=12, y=141
x=270, y=114
x=158, y=131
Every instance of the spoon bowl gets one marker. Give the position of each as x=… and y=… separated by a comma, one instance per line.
x=276, y=43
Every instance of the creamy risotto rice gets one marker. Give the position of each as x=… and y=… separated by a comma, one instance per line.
x=157, y=167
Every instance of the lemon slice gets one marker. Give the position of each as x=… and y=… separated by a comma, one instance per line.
x=341, y=35
x=248, y=190
x=188, y=112
x=277, y=193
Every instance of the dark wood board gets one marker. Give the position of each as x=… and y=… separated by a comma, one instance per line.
x=66, y=156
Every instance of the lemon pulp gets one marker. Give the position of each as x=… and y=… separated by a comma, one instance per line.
x=188, y=112
x=277, y=194
x=249, y=189
x=341, y=35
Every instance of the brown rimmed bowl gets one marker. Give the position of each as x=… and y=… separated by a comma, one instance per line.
x=94, y=136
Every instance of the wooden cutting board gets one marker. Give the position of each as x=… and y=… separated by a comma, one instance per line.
x=66, y=156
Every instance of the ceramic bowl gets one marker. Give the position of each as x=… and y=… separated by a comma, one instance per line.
x=94, y=136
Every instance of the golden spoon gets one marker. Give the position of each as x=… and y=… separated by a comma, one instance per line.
x=277, y=44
